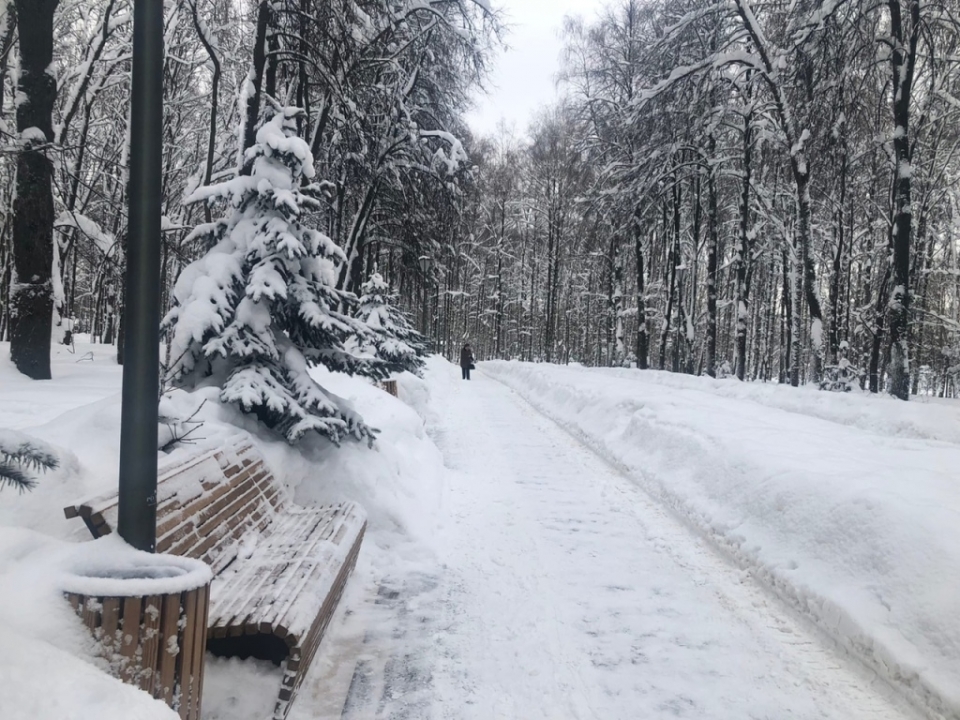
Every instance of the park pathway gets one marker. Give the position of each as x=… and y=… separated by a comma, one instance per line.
x=560, y=590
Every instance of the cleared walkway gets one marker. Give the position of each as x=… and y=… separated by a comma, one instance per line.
x=562, y=591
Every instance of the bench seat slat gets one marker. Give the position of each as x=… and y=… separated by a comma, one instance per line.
x=252, y=576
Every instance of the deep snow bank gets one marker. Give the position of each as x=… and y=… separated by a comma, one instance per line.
x=844, y=505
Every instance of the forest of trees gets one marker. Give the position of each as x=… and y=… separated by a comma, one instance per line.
x=382, y=88
x=751, y=188
x=759, y=189
x=728, y=187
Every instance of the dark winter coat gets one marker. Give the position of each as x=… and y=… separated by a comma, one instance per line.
x=466, y=357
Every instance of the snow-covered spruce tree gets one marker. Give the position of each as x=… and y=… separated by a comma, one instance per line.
x=393, y=340
x=261, y=306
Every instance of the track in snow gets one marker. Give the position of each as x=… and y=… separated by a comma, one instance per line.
x=561, y=590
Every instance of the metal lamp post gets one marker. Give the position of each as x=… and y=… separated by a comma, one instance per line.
x=137, y=511
x=426, y=265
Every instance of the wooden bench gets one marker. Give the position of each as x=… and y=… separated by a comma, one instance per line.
x=391, y=387
x=280, y=568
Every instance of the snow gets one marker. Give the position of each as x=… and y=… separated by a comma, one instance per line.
x=675, y=547
x=104, y=241
x=551, y=586
x=51, y=665
x=108, y=566
x=48, y=666
x=844, y=506
x=234, y=689
x=77, y=413
x=816, y=334
x=33, y=136
x=265, y=283
x=68, y=689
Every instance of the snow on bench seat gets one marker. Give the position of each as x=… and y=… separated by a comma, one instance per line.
x=280, y=568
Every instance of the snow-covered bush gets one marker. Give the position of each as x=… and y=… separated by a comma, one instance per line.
x=843, y=376
x=261, y=307
x=393, y=340
x=724, y=370
x=19, y=454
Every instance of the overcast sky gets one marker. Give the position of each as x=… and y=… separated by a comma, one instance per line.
x=523, y=77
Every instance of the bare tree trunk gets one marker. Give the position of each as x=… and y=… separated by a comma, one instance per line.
x=836, y=278
x=32, y=292
x=619, y=356
x=903, y=59
x=671, y=272
x=786, y=350
x=744, y=249
x=713, y=222
x=255, y=83
x=643, y=339
x=214, y=104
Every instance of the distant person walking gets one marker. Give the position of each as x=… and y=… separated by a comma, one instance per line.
x=466, y=361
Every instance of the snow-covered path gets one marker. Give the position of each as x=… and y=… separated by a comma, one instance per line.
x=562, y=591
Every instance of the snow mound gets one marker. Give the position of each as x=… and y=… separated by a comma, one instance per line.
x=397, y=481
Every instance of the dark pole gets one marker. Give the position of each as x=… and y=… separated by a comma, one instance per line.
x=137, y=522
x=423, y=306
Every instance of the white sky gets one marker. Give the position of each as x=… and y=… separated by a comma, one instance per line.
x=524, y=76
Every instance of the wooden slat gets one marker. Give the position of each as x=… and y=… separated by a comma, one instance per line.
x=223, y=496
x=199, y=504
x=212, y=552
x=188, y=649
x=199, y=642
x=131, y=637
x=288, y=582
x=186, y=531
x=329, y=606
x=165, y=505
x=111, y=623
x=249, y=588
x=235, y=508
x=246, y=595
x=169, y=628
x=91, y=613
x=294, y=590
x=152, y=608
x=170, y=520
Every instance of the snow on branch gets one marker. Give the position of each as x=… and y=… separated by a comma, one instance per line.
x=19, y=454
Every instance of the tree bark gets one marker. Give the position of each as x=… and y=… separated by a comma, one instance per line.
x=255, y=80
x=214, y=104
x=744, y=251
x=903, y=59
x=643, y=338
x=32, y=292
x=713, y=222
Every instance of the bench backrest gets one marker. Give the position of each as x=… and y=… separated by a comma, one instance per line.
x=205, y=505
